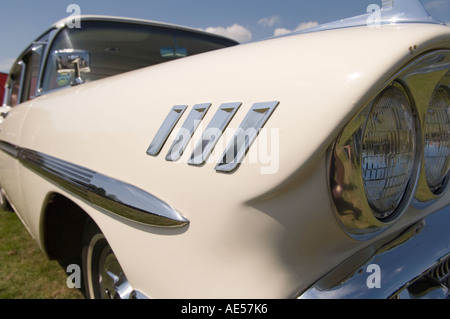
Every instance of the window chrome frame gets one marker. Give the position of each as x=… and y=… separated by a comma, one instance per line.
x=51, y=36
x=23, y=71
x=45, y=41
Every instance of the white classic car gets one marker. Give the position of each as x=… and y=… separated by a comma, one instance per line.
x=313, y=165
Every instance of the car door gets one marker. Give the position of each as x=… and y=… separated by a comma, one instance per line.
x=22, y=89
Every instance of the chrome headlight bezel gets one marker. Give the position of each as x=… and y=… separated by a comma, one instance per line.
x=438, y=184
x=424, y=79
x=388, y=151
x=419, y=81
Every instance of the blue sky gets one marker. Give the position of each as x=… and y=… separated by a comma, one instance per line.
x=21, y=21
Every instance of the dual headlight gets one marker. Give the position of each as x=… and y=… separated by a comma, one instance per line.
x=396, y=151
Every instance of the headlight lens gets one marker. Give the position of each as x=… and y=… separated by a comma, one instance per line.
x=394, y=152
x=437, y=139
x=388, y=151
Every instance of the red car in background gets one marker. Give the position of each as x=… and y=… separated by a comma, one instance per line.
x=3, y=78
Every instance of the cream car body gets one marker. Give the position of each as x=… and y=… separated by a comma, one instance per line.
x=268, y=229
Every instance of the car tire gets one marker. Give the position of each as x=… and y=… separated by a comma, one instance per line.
x=103, y=275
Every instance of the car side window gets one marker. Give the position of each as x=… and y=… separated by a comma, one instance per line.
x=24, y=75
x=15, y=84
x=32, y=61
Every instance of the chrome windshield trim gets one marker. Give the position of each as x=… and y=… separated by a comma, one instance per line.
x=52, y=33
x=166, y=129
x=391, y=12
x=117, y=197
x=401, y=262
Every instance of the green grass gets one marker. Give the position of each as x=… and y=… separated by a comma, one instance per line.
x=25, y=272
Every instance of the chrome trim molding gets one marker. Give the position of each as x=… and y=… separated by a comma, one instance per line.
x=166, y=128
x=391, y=12
x=246, y=134
x=9, y=149
x=187, y=131
x=402, y=262
x=137, y=295
x=117, y=197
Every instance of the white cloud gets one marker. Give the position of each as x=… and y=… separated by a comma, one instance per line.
x=301, y=26
x=281, y=31
x=236, y=32
x=269, y=22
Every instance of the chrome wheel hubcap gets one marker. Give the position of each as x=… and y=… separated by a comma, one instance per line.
x=113, y=282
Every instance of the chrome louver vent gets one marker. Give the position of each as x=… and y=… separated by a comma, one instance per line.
x=214, y=131
x=235, y=152
x=166, y=128
x=187, y=131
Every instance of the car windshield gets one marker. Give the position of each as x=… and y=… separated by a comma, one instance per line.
x=116, y=47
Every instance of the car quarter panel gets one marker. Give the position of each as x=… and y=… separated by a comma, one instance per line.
x=268, y=227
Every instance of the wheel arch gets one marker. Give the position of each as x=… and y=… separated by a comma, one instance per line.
x=63, y=224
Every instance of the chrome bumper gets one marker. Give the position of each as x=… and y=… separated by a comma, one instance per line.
x=414, y=265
